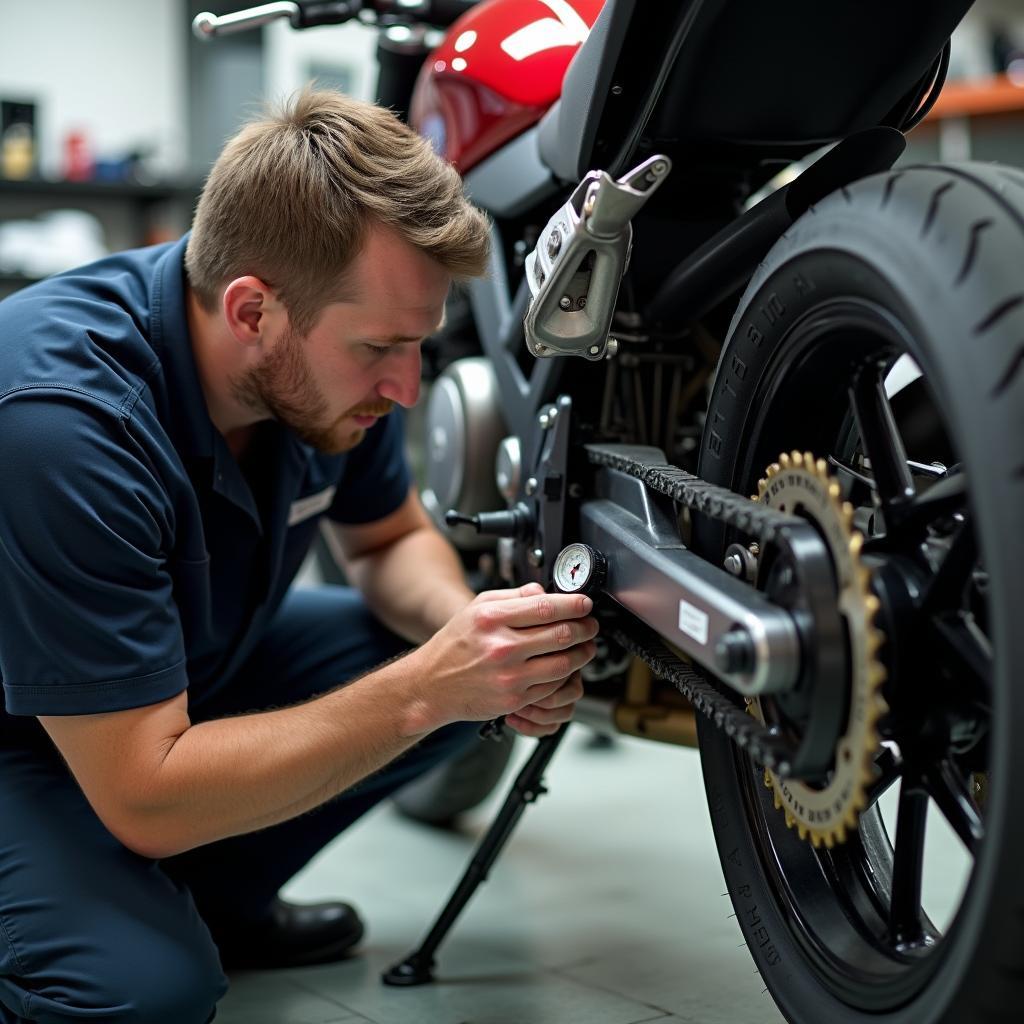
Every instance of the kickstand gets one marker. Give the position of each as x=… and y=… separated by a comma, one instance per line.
x=418, y=967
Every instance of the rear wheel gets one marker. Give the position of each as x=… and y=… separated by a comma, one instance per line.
x=885, y=334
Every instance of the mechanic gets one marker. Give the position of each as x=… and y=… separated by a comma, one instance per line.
x=176, y=741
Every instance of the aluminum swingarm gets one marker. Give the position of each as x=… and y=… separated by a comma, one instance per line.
x=722, y=624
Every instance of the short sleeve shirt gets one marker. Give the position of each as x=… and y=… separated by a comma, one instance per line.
x=136, y=556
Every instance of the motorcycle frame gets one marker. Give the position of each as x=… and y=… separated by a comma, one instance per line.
x=704, y=279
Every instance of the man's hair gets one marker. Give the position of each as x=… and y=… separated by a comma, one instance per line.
x=292, y=195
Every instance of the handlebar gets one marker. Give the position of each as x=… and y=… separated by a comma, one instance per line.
x=312, y=13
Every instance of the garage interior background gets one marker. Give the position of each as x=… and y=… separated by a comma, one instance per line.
x=110, y=115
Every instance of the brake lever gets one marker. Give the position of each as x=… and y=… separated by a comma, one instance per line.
x=300, y=15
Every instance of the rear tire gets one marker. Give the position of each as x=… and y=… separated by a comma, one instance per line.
x=935, y=255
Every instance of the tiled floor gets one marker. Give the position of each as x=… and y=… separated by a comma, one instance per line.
x=606, y=908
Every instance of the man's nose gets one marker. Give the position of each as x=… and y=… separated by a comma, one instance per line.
x=401, y=381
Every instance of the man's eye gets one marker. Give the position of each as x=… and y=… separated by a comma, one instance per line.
x=378, y=349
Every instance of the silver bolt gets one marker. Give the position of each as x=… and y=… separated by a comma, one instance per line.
x=612, y=348
x=531, y=486
x=595, y=350
x=544, y=420
x=554, y=243
x=659, y=167
x=565, y=302
x=536, y=557
x=734, y=564
x=616, y=90
x=589, y=203
x=581, y=302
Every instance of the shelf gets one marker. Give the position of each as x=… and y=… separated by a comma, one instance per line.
x=996, y=95
x=100, y=189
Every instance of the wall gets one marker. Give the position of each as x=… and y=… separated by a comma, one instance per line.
x=339, y=55
x=114, y=69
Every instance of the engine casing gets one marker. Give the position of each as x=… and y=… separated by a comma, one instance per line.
x=462, y=430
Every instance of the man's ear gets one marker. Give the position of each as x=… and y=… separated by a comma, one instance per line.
x=249, y=306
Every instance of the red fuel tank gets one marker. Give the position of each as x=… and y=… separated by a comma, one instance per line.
x=499, y=68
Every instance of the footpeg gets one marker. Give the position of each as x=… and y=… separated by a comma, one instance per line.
x=575, y=271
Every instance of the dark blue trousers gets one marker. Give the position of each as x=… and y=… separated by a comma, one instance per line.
x=90, y=931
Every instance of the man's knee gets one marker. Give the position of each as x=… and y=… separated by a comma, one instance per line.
x=186, y=990
x=162, y=984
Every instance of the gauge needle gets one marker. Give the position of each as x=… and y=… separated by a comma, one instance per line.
x=575, y=569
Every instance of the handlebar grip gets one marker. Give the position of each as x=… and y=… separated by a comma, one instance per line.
x=326, y=12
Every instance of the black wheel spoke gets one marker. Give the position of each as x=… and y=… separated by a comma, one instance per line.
x=949, y=789
x=888, y=769
x=905, y=914
x=882, y=443
x=965, y=651
x=943, y=498
x=947, y=587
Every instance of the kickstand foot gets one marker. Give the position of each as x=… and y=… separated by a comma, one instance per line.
x=417, y=967
x=414, y=970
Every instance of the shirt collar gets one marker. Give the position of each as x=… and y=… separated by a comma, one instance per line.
x=193, y=430
x=196, y=438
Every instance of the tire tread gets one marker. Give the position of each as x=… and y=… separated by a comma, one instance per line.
x=973, y=215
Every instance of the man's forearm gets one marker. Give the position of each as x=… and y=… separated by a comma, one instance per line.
x=415, y=585
x=240, y=774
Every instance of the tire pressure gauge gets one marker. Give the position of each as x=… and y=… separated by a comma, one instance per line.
x=579, y=569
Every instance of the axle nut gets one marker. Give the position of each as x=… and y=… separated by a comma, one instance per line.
x=735, y=652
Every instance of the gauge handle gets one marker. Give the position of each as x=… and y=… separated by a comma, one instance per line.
x=597, y=575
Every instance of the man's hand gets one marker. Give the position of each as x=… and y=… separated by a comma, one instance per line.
x=544, y=717
x=509, y=652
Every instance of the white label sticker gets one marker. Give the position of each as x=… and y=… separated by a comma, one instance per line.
x=303, y=508
x=693, y=622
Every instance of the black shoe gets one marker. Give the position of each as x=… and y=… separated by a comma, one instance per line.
x=290, y=936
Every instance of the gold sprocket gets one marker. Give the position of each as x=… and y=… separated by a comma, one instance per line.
x=801, y=485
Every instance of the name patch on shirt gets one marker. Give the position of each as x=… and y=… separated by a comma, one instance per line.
x=303, y=508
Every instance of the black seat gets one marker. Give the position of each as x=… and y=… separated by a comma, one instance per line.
x=743, y=81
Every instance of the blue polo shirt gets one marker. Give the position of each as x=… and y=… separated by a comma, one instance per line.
x=137, y=556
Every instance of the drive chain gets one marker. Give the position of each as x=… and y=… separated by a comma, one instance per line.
x=760, y=522
x=760, y=742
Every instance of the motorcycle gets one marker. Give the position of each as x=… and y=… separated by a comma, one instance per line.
x=779, y=431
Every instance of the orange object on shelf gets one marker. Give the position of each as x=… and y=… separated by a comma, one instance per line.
x=997, y=95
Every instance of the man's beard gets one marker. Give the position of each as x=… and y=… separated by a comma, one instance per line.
x=283, y=386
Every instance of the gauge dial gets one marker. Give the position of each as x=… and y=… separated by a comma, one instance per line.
x=578, y=568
